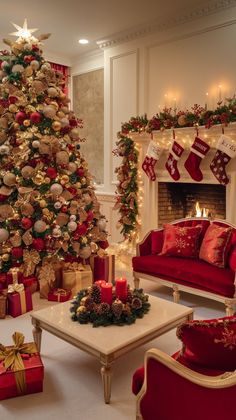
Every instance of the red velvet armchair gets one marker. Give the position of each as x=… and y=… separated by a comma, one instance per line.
x=168, y=390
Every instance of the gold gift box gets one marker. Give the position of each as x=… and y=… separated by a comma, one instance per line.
x=76, y=278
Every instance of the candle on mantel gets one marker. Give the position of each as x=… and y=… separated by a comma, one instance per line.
x=106, y=293
x=220, y=93
x=121, y=289
x=206, y=101
x=100, y=282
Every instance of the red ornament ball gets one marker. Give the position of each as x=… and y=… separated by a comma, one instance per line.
x=20, y=117
x=12, y=99
x=26, y=223
x=90, y=216
x=38, y=244
x=35, y=117
x=17, y=252
x=80, y=231
x=80, y=172
x=51, y=173
x=28, y=58
x=103, y=244
x=3, y=197
x=64, y=209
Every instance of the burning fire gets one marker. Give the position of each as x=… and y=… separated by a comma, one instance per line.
x=200, y=212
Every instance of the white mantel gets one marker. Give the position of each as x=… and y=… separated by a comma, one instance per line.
x=185, y=136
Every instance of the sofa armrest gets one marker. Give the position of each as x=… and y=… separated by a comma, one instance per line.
x=144, y=247
x=171, y=390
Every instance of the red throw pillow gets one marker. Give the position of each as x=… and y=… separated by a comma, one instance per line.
x=215, y=245
x=181, y=241
x=210, y=343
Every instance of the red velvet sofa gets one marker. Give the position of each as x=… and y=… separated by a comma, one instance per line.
x=191, y=275
x=168, y=390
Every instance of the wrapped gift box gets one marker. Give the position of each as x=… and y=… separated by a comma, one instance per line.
x=19, y=302
x=103, y=267
x=59, y=295
x=3, y=281
x=3, y=305
x=28, y=379
x=76, y=277
x=31, y=283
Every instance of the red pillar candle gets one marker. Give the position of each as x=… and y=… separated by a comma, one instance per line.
x=121, y=289
x=106, y=293
x=100, y=282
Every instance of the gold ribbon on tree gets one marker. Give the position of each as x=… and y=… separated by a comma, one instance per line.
x=12, y=359
x=31, y=258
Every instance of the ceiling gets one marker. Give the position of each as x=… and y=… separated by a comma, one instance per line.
x=96, y=20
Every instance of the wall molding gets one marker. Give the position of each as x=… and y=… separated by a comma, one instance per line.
x=131, y=34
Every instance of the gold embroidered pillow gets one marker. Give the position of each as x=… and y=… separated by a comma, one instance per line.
x=215, y=245
x=209, y=343
x=181, y=241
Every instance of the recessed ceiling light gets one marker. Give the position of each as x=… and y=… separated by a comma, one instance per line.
x=83, y=41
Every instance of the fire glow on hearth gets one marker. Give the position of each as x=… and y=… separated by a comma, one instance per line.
x=201, y=212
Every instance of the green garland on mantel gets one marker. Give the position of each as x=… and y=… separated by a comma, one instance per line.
x=88, y=308
x=127, y=187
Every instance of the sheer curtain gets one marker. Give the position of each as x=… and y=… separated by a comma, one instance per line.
x=65, y=71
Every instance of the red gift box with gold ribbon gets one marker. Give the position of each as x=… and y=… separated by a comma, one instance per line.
x=19, y=300
x=59, y=295
x=30, y=282
x=21, y=369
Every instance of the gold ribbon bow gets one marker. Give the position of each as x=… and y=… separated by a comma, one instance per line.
x=101, y=253
x=60, y=292
x=12, y=359
x=12, y=288
x=74, y=266
x=31, y=259
x=14, y=272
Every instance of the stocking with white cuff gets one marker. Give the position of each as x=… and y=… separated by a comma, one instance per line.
x=198, y=151
x=226, y=150
x=153, y=155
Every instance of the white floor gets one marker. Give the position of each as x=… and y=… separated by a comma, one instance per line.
x=72, y=384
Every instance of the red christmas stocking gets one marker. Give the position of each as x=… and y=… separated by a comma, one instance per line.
x=171, y=164
x=198, y=151
x=153, y=154
x=226, y=150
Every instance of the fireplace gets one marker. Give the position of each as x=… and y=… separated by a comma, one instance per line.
x=179, y=200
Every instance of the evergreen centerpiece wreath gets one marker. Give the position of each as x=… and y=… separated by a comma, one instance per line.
x=88, y=307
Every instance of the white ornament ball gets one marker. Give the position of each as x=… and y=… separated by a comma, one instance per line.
x=64, y=122
x=72, y=167
x=27, y=47
x=49, y=111
x=56, y=189
x=52, y=92
x=17, y=68
x=40, y=226
x=72, y=226
x=5, y=79
x=36, y=144
x=4, y=149
x=9, y=179
x=34, y=64
x=27, y=171
x=57, y=205
x=101, y=223
x=4, y=235
x=85, y=252
x=45, y=67
x=74, y=134
x=56, y=233
x=73, y=217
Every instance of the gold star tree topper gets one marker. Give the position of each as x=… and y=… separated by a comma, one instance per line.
x=23, y=33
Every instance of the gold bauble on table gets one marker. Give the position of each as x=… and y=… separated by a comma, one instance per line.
x=56, y=125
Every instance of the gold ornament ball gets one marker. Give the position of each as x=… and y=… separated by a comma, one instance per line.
x=38, y=179
x=9, y=179
x=56, y=125
x=26, y=123
x=85, y=252
x=78, y=185
x=28, y=71
x=54, y=105
x=47, y=180
x=27, y=171
x=49, y=111
x=65, y=178
x=45, y=212
x=15, y=126
x=5, y=257
x=34, y=64
x=81, y=309
x=74, y=134
x=42, y=204
x=13, y=108
x=52, y=92
x=60, y=114
x=182, y=120
x=40, y=226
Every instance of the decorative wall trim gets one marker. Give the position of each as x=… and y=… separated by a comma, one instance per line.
x=141, y=31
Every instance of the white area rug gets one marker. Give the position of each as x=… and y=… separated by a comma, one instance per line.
x=72, y=384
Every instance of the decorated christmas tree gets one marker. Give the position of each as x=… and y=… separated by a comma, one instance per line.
x=48, y=205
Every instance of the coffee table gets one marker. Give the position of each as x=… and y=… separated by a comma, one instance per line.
x=109, y=343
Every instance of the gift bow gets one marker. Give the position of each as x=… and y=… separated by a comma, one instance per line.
x=12, y=359
x=74, y=266
x=15, y=287
x=31, y=259
x=60, y=292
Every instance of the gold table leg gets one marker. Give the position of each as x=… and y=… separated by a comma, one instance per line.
x=37, y=334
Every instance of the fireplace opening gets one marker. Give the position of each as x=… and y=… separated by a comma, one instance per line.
x=179, y=200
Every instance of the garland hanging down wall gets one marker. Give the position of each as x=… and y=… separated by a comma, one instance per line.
x=127, y=200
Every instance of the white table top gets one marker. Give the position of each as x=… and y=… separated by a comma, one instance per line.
x=112, y=338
